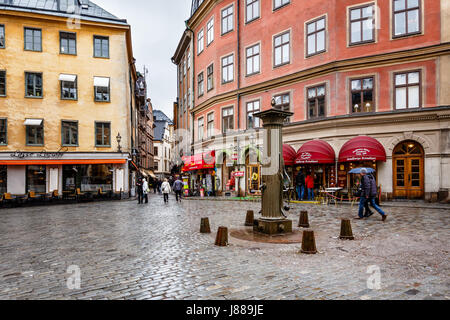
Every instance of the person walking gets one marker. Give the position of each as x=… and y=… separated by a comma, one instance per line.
x=159, y=186
x=155, y=186
x=165, y=188
x=309, y=181
x=368, y=194
x=178, y=188
x=145, y=191
x=300, y=185
x=139, y=190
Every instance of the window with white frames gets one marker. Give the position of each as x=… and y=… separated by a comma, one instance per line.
x=201, y=88
x=200, y=42
x=252, y=108
x=407, y=90
x=253, y=59
x=201, y=128
x=280, y=3
x=210, y=31
x=406, y=17
x=251, y=10
x=362, y=24
x=227, y=19
x=283, y=103
x=228, y=69
x=316, y=35
x=317, y=102
x=210, y=125
x=281, y=47
x=227, y=119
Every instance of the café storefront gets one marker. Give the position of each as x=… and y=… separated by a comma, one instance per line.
x=199, y=171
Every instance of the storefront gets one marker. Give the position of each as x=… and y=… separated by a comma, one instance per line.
x=318, y=158
x=359, y=152
x=3, y=179
x=36, y=179
x=252, y=160
x=88, y=178
x=199, y=173
x=289, y=156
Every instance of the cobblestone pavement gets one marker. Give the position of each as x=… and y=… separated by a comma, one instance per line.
x=154, y=251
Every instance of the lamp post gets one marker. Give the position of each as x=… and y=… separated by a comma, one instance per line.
x=119, y=139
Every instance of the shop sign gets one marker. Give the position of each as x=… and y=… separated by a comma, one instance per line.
x=239, y=174
x=42, y=155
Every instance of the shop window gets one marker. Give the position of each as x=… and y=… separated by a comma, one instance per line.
x=228, y=69
x=362, y=95
x=68, y=43
x=362, y=24
x=35, y=134
x=69, y=133
x=252, y=108
x=252, y=10
x=283, y=103
x=227, y=120
x=227, y=19
x=102, y=134
x=101, y=47
x=281, y=45
x=407, y=90
x=88, y=178
x=406, y=17
x=2, y=36
x=317, y=102
x=316, y=37
x=253, y=59
x=37, y=179
x=33, y=85
x=33, y=39
x=69, y=87
x=2, y=83
x=3, y=132
x=3, y=179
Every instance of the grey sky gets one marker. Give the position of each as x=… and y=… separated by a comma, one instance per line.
x=156, y=28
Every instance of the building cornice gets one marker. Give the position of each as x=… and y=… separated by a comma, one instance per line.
x=398, y=57
x=182, y=45
x=201, y=12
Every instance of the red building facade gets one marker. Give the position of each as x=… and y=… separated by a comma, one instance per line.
x=344, y=69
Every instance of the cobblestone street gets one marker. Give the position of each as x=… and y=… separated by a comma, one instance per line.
x=155, y=251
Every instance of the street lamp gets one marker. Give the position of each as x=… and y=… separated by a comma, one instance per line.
x=119, y=139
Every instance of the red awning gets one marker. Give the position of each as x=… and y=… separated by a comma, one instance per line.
x=289, y=155
x=362, y=148
x=56, y=162
x=199, y=161
x=315, y=152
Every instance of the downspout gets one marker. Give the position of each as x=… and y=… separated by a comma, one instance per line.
x=238, y=64
x=192, y=95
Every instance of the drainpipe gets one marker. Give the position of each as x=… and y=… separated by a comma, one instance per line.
x=192, y=95
x=238, y=64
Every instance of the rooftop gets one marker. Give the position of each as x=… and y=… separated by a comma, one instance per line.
x=158, y=115
x=62, y=8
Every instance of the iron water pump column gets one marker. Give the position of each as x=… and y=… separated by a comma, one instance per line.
x=273, y=221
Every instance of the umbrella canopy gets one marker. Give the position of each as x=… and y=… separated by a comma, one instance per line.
x=358, y=170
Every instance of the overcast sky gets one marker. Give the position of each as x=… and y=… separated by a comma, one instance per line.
x=156, y=28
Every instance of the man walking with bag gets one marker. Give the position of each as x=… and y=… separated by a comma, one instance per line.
x=368, y=194
x=178, y=188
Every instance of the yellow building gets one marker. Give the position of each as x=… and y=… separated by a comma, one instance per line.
x=66, y=96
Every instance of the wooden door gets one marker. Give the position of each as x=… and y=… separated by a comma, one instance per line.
x=408, y=165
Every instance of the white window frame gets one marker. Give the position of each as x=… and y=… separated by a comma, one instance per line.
x=210, y=31
x=200, y=41
x=231, y=16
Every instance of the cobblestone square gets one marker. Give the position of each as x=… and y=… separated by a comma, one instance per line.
x=155, y=251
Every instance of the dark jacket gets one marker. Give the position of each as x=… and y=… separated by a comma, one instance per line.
x=368, y=186
x=300, y=179
x=178, y=185
x=139, y=185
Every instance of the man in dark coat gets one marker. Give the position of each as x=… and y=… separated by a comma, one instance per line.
x=368, y=195
x=140, y=190
x=300, y=185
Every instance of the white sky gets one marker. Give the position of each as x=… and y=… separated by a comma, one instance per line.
x=156, y=28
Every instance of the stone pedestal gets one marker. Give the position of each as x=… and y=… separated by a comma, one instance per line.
x=273, y=227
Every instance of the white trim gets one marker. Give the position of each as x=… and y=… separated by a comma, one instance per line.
x=101, y=82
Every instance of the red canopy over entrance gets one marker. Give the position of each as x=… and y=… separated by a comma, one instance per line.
x=199, y=161
x=288, y=155
x=315, y=152
x=362, y=148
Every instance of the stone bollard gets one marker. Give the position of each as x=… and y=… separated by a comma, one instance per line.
x=308, y=242
x=204, y=226
x=222, y=237
x=250, y=220
x=304, y=220
x=346, y=230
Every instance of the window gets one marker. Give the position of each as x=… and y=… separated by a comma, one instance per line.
x=362, y=95
x=253, y=59
x=316, y=37
x=102, y=134
x=200, y=85
x=362, y=24
x=200, y=42
x=101, y=47
x=33, y=39
x=227, y=20
x=68, y=87
x=210, y=32
x=210, y=79
x=35, y=133
x=68, y=43
x=407, y=90
x=102, y=89
x=210, y=125
x=155, y=151
x=184, y=67
x=189, y=61
x=69, y=134
x=406, y=17
x=227, y=119
x=252, y=108
x=280, y=3
x=252, y=10
x=2, y=83
x=227, y=69
x=2, y=36
x=3, y=132
x=283, y=103
x=201, y=128
x=316, y=102
x=33, y=85
x=281, y=49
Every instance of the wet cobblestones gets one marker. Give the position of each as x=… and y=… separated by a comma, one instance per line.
x=154, y=251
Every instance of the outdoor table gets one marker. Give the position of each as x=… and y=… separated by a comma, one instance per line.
x=334, y=192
